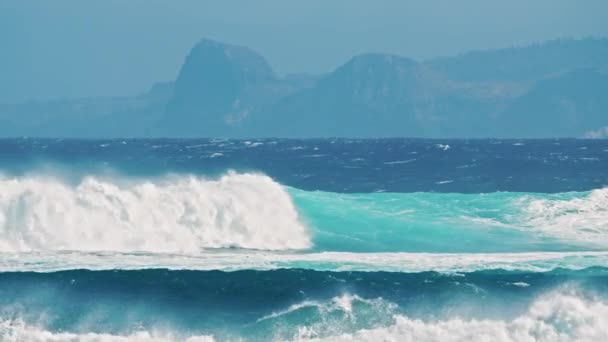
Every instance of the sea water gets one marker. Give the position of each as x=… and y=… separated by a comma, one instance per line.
x=298, y=240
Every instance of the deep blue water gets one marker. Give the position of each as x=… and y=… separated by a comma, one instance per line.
x=254, y=303
x=335, y=239
x=338, y=165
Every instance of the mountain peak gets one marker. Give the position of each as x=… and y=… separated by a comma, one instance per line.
x=248, y=63
x=211, y=83
x=374, y=76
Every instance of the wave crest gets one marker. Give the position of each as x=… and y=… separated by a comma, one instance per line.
x=171, y=215
x=558, y=316
x=582, y=218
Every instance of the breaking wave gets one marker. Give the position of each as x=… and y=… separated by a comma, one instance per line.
x=569, y=215
x=185, y=214
x=170, y=215
x=559, y=316
x=432, y=222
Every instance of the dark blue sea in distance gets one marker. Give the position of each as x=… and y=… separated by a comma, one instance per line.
x=303, y=240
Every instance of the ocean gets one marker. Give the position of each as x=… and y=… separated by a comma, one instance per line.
x=303, y=240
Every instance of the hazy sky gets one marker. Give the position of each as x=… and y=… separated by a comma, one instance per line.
x=74, y=48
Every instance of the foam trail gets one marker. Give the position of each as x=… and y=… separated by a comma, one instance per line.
x=17, y=331
x=172, y=215
x=324, y=261
x=559, y=316
x=346, y=304
x=568, y=216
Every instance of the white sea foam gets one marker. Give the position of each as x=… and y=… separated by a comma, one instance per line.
x=344, y=304
x=18, y=331
x=171, y=215
x=520, y=284
x=325, y=261
x=400, y=161
x=582, y=219
x=559, y=316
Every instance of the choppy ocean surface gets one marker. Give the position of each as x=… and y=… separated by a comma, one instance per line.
x=298, y=240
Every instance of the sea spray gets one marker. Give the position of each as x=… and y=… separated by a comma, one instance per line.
x=170, y=215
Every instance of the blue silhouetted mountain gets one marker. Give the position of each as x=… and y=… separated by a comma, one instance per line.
x=371, y=95
x=217, y=90
x=564, y=106
x=527, y=63
x=89, y=117
x=554, y=89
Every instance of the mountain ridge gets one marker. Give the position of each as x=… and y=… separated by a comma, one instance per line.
x=230, y=91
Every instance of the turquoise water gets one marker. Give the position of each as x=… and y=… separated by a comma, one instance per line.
x=440, y=222
x=303, y=240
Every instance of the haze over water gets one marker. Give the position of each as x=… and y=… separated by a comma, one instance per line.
x=315, y=171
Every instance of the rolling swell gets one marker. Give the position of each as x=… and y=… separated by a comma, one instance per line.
x=423, y=222
x=553, y=317
x=188, y=214
x=171, y=215
x=135, y=239
x=303, y=304
x=334, y=165
x=557, y=316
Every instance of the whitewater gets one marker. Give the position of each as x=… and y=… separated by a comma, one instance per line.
x=178, y=214
x=189, y=214
x=554, y=317
x=328, y=239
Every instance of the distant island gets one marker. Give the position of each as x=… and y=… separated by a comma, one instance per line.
x=554, y=89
